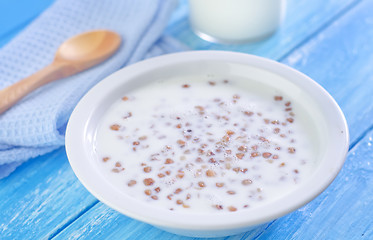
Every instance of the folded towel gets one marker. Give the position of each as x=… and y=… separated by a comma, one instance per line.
x=36, y=125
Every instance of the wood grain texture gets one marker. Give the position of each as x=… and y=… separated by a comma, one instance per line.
x=15, y=17
x=317, y=219
x=43, y=198
x=343, y=211
x=101, y=222
x=303, y=19
x=341, y=59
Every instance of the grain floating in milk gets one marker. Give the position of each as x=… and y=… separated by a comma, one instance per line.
x=207, y=145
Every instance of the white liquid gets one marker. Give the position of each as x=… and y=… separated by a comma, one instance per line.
x=233, y=137
x=235, y=20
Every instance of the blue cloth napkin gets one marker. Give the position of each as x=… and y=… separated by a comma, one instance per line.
x=36, y=125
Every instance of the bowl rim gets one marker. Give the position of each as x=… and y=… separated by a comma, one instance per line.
x=325, y=173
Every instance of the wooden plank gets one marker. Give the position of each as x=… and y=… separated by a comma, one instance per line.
x=14, y=17
x=41, y=197
x=343, y=211
x=101, y=218
x=50, y=197
x=310, y=221
x=303, y=19
x=341, y=60
x=101, y=222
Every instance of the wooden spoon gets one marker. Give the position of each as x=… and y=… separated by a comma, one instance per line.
x=75, y=55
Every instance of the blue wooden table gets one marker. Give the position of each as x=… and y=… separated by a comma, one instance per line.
x=331, y=41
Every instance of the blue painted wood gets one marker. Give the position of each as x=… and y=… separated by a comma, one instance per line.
x=341, y=60
x=303, y=19
x=343, y=211
x=113, y=225
x=40, y=198
x=44, y=199
x=15, y=15
x=321, y=218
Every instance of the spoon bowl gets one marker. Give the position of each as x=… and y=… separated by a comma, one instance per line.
x=74, y=55
x=89, y=48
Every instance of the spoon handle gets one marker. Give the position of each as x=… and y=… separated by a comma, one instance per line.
x=12, y=94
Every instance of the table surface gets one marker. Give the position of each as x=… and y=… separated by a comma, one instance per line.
x=331, y=41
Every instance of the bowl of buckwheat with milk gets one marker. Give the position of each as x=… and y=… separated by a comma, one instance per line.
x=207, y=143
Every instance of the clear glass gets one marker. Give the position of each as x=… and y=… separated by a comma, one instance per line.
x=235, y=21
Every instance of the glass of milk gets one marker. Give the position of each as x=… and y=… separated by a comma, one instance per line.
x=235, y=21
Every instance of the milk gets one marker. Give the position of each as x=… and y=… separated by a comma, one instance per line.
x=235, y=20
x=207, y=145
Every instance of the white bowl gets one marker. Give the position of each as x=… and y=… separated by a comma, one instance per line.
x=331, y=132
